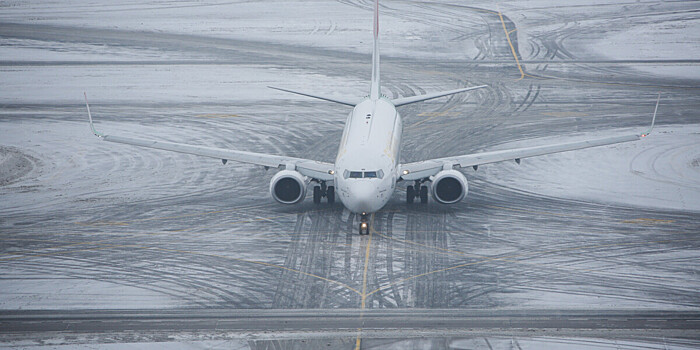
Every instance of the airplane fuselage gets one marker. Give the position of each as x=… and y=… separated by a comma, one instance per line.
x=368, y=156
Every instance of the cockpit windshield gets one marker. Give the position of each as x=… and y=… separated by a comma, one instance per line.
x=363, y=174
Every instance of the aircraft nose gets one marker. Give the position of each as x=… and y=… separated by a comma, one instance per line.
x=364, y=196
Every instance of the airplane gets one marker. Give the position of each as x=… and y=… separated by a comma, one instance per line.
x=367, y=168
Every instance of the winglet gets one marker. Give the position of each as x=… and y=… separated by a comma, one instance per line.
x=92, y=127
x=653, y=119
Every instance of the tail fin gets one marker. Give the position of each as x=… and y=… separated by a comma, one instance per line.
x=375, y=90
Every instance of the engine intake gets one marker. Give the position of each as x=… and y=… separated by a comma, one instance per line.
x=288, y=187
x=449, y=186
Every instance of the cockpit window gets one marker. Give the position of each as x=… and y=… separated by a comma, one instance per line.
x=366, y=174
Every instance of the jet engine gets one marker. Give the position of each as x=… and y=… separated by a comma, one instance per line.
x=288, y=187
x=449, y=186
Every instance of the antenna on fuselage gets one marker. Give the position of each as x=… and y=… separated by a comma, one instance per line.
x=375, y=89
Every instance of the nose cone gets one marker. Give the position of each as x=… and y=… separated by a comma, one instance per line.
x=363, y=197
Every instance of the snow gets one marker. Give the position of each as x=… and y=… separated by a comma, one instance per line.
x=172, y=83
x=324, y=24
x=655, y=41
x=660, y=171
x=45, y=292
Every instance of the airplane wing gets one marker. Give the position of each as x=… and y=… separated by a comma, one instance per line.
x=427, y=168
x=314, y=169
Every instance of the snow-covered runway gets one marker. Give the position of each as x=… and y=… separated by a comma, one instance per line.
x=91, y=225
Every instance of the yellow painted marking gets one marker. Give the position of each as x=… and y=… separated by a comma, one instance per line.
x=515, y=55
x=217, y=115
x=565, y=114
x=431, y=247
x=512, y=31
x=364, y=273
x=433, y=117
x=68, y=244
x=487, y=258
x=107, y=246
x=103, y=223
x=508, y=257
x=363, y=295
x=17, y=256
x=543, y=212
x=438, y=114
x=126, y=222
x=628, y=221
x=548, y=77
x=51, y=254
x=647, y=221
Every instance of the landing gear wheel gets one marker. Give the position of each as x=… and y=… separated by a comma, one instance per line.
x=317, y=194
x=364, y=225
x=330, y=194
x=364, y=228
x=410, y=194
x=424, y=194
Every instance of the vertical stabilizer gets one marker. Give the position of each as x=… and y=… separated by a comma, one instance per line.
x=375, y=90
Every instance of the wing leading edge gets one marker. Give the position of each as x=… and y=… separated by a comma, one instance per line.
x=311, y=168
x=427, y=168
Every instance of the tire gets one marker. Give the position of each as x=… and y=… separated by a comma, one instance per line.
x=410, y=194
x=424, y=194
x=330, y=194
x=317, y=194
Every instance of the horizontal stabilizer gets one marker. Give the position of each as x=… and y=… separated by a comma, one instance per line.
x=413, y=99
x=342, y=101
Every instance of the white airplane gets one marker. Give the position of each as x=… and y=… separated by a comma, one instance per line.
x=367, y=168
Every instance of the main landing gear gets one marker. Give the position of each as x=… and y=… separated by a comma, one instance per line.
x=324, y=191
x=364, y=224
x=417, y=191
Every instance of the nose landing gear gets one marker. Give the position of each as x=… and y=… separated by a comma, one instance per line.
x=364, y=224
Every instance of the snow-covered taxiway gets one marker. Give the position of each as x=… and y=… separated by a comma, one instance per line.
x=94, y=232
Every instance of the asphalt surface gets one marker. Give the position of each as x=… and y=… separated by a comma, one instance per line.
x=98, y=228
x=397, y=320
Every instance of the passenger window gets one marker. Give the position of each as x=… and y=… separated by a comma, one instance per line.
x=355, y=174
x=346, y=174
x=380, y=173
x=371, y=174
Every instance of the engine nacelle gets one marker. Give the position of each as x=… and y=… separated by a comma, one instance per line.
x=449, y=186
x=288, y=187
